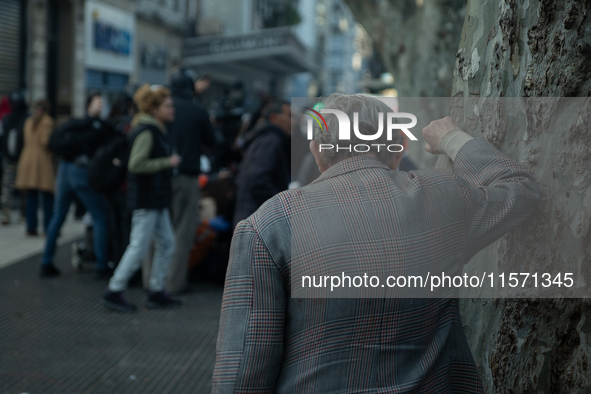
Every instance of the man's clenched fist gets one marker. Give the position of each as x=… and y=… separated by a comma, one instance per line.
x=435, y=131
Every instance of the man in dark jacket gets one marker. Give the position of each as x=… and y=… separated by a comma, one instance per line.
x=190, y=129
x=265, y=169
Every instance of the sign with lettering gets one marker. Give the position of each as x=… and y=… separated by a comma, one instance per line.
x=109, y=38
x=203, y=46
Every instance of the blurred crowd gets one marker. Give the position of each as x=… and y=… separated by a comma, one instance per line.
x=159, y=184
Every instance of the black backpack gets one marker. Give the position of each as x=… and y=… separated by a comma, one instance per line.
x=79, y=136
x=107, y=169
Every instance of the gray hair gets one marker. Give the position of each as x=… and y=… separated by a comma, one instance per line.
x=368, y=108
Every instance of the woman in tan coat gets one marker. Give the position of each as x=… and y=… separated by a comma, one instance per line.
x=35, y=173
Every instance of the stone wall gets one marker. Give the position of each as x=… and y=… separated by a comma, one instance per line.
x=514, y=48
x=535, y=49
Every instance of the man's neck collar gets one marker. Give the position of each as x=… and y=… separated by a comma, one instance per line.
x=351, y=164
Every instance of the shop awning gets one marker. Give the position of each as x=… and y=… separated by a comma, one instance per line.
x=262, y=54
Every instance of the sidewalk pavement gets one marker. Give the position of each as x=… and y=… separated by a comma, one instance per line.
x=16, y=246
x=56, y=337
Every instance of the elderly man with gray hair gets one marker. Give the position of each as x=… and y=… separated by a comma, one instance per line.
x=270, y=341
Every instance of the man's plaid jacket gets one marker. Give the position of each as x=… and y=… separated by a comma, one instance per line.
x=270, y=342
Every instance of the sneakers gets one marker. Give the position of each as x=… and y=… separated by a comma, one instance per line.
x=104, y=274
x=48, y=271
x=161, y=299
x=5, y=216
x=76, y=260
x=115, y=300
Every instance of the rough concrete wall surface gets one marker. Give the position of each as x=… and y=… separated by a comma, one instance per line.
x=516, y=48
x=535, y=49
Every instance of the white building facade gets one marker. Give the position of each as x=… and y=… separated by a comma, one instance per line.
x=64, y=50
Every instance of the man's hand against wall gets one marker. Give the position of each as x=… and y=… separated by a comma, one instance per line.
x=435, y=131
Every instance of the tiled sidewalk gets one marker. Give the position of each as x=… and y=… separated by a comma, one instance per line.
x=16, y=246
x=55, y=336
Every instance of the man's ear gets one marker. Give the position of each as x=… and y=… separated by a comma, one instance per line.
x=395, y=160
x=404, y=140
x=315, y=149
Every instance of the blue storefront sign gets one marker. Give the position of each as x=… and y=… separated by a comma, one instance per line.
x=111, y=39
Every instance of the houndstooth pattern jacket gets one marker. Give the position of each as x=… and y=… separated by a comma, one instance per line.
x=269, y=342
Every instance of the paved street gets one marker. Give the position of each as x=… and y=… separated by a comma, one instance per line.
x=57, y=338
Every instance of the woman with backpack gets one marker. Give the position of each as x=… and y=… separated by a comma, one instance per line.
x=149, y=197
x=35, y=173
x=76, y=143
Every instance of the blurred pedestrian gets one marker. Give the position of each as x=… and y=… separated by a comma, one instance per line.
x=12, y=145
x=106, y=175
x=4, y=106
x=76, y=142
x=201, y=86
x=149, y=195
x=190, y=129
x=114, y=157
x=123, y=110
x=35, y=173
x=265, y=169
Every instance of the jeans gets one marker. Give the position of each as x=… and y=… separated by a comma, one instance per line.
x=8, y=179
x=33, y=206
x=72, y=180
x=146, y=224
